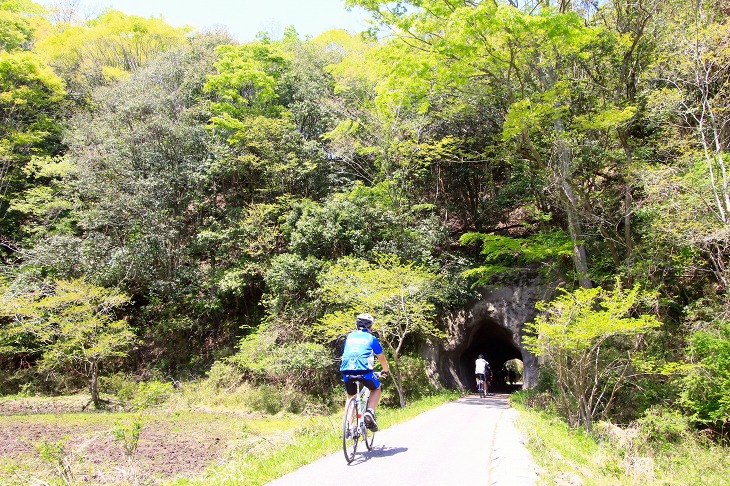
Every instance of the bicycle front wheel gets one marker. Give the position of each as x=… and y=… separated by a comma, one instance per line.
x=350, y=432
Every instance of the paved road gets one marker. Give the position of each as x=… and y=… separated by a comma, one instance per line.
x=471, y=441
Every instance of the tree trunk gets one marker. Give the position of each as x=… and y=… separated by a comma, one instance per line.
x=628, y=201
x=398, y=382
x=94, y=384
x=570, y=203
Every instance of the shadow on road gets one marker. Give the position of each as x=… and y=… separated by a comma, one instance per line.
x=378, y=451
x=493, y=400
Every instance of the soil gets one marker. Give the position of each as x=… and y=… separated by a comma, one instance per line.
x=170, y=445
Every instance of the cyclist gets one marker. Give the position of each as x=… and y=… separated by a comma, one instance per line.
x=483, y=372
x=358, y=359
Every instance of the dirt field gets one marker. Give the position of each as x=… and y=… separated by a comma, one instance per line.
x=171, y=445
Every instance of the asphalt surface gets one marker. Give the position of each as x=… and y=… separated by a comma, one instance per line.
x=471, y=441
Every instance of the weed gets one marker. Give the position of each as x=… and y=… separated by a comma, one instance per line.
x=662, y=425
x=56, y=454
x=127, y=432
x=120, y=385
x=266, y=398
x=152, y=393
x=613, y=455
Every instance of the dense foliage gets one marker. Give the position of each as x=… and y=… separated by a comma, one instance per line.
x=249, y=198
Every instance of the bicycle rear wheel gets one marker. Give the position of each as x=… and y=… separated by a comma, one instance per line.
x=350, y=432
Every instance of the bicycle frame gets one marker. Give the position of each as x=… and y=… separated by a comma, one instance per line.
x=482, y=386
x=353, y=432
x=362, y=395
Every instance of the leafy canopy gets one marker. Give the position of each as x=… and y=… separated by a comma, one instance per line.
x=505, y=254
x=400, y=295
x=74, y=326
x=586, y=337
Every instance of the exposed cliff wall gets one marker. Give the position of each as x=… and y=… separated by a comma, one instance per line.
x=491, y=325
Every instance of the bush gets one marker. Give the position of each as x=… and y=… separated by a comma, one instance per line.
x=266, y=399
x=662, y=425
x=535, y=399
x=120, y=385
x=302, y=366
x=705, y=388
x=415, y=379
x=150, y=394
x=223, y=375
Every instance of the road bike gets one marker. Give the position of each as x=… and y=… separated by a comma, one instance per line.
x=481, y=388
x=353, y=423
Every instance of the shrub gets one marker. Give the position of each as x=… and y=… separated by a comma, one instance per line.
x=588, y=337
x=302, y=366
x=662, y=425
x=266, y=399
x=223, y=375
x=535, y=399
x=415, y=379
x=120, y=385
x=150, y=394
x=705, y=388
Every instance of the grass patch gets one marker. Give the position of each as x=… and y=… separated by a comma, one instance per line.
x=173, y=443
x=209, y=443
x=612, y=455
x=258, y=460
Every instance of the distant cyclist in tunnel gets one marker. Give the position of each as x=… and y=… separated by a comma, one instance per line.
x=357, y=361
x=483, y=373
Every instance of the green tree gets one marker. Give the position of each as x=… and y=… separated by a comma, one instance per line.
x=262, y=151
x=705, y=388
x=401, y=296
x=75, y=327
x=106, y=49
x=362, y=221
x=31, y=104
x=139, y=190
x=16, y=31
x=690, y=108
x=588, y=338
x=503, y=254
x=561, y=82
x=135, y=175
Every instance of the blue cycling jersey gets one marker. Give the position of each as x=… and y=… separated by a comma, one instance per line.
x=359, y=352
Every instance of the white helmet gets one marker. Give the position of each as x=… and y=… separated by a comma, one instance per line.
x=364, y=320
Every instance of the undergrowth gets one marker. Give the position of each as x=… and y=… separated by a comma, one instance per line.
x=656, y=450
x=264, y=433
x=259, y=460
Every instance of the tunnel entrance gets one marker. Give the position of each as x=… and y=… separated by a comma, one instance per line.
x=492, y=325
x=496, y=344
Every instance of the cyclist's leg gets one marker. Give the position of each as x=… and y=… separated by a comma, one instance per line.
x=374, y=398
x=350, y=388
x=373, y=385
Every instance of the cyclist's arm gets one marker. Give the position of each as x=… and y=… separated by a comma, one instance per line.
x=383, y=363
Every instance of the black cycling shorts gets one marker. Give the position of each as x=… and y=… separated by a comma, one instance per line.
x=367, y=378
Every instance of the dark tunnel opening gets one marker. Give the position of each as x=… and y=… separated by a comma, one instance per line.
x=496, y=344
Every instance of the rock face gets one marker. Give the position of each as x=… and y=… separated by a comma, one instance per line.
x=493, y=326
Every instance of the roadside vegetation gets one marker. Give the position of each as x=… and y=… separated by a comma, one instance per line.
x=189, y=435
x=660, y=448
